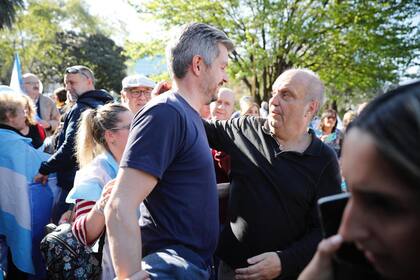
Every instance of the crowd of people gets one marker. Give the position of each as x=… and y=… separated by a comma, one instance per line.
x=180, y=185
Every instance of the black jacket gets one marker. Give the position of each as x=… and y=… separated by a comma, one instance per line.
x=63, y=161
x=273, y=194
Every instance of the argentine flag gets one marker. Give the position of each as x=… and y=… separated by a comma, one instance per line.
x=16, y=82
x=19, y=163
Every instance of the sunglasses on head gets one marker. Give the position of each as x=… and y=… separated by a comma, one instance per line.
x=77, y=70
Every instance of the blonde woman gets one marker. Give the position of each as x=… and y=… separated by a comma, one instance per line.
x=100, y=143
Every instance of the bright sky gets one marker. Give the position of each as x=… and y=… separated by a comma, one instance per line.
x=119, y=13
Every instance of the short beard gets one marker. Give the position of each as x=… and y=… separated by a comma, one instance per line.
x=73, y=97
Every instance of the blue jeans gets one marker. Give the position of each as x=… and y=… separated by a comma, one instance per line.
x=167, y=264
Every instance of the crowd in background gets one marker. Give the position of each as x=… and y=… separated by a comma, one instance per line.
x=271, y=162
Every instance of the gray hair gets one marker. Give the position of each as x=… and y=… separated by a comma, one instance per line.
x=194, y=39
x=29, y=75
x=81, y=70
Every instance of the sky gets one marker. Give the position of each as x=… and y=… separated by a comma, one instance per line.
x=119, y=13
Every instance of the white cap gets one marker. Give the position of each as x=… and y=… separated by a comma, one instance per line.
x=137, y=81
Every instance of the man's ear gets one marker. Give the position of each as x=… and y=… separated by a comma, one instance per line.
x=123, y=96
x=197, y=65
x=312, y=108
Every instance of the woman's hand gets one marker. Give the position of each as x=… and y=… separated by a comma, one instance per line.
x=101, y=203
x=66, y=217
x=320, y=267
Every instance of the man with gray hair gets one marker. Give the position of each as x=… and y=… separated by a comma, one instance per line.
x=279, y=169
x=47, y=113
x=168, y=167
x=136, y=92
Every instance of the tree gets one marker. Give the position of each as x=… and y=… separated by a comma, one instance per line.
x=8, y=12
x=354, y=45
x=34, y=36
x=95, y=51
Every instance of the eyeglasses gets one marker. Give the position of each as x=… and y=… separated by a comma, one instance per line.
x=121, y=128
x=77, y=70
x=139, y=92
x=31, y=83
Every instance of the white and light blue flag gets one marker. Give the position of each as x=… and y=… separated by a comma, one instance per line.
x=16, y=82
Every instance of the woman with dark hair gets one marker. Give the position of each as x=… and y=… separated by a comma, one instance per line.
x=381, y=164
x=328, y=131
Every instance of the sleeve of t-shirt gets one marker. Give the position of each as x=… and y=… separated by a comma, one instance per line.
x=154, y=140
x=221, y=134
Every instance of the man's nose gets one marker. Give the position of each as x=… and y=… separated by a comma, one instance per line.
x=225, y=78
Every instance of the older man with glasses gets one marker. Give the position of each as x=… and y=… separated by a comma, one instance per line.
x=79, y=82
x=136, y=92
x=47, y=114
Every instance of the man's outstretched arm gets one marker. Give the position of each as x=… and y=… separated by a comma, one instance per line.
x=132, y=186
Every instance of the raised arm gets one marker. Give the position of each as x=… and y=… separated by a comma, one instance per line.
x=221, y=134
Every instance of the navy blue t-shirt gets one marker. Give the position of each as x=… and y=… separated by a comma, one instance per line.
x=168, y=141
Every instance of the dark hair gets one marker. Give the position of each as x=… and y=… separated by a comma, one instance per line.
x=61, y=94
x=327, y=113
x=393, y=120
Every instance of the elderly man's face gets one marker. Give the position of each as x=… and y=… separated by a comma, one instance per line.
x=31, y=85
x=289, y=105
x=136, y=97
x=224, y=106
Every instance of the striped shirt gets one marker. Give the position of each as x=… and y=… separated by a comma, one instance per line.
x=82, y=208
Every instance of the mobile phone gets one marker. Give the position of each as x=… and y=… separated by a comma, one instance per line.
x=348, y=261
x=331, y=209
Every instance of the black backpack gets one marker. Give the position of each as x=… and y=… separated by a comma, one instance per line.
x=66, y=258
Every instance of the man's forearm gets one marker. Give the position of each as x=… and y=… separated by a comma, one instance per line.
x=124, y=239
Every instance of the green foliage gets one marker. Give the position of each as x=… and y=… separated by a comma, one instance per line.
x=96, y=51
x=8, y=12
x=354, y=45
x=46, y=48
x=106, y=60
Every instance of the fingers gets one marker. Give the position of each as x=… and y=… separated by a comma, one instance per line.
x=257, y=258
x=320, y=267
x=263, y=266
x=247, y=270
x=329, y=246
x=39, y=178
x=65, y=218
